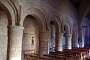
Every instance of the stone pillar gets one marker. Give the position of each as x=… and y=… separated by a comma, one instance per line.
x=3, y=41
x=69, y=41
x=16, y=34
x=74, y=40
x=81, y=38
x=60, y=41
x=44, y=39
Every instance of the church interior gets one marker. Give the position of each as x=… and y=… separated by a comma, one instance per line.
x=44, y=29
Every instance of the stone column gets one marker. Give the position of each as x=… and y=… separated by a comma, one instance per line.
x=44, y=39
x=16, y=34
x=3, y=41
x=69, y=41
x=81, y=38
x=60, y=41
x=74, y=40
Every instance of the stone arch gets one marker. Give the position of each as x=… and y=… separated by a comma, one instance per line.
x=7, y=19
x=68, y=28
x=67, y=36
x=57, y=22
x=38, y=14
x=54, y=30
x=7, y=7
x=31, y=35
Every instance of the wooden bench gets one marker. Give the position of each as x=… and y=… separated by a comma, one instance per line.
x=66, y=54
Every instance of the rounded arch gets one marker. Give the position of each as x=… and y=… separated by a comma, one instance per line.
x=36, y=20
x=68, y=28
x=4, y=9
x=8, y=9
x=7, y=19
x=40, y=17
x=31, y=35
x=5, y=23
x=57, y=22
x=54, y=30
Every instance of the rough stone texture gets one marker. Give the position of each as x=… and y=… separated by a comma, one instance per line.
x=69, y=41
x=3, y=36
x=44, y=39
x=62, y=12
x=16, y=43
x=31, y=32
x=60, y=42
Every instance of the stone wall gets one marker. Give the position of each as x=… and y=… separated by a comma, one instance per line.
x=62, y=12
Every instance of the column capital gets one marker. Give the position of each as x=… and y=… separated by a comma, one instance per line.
x=17, y=27
x=68, y=34
x=45, y=32
x=60, y=32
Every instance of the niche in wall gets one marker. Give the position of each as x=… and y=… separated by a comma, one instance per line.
x=30, y=35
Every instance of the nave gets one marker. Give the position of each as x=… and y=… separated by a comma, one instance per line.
x=44, y=29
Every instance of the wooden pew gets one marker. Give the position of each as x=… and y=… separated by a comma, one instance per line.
x=66, y=54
